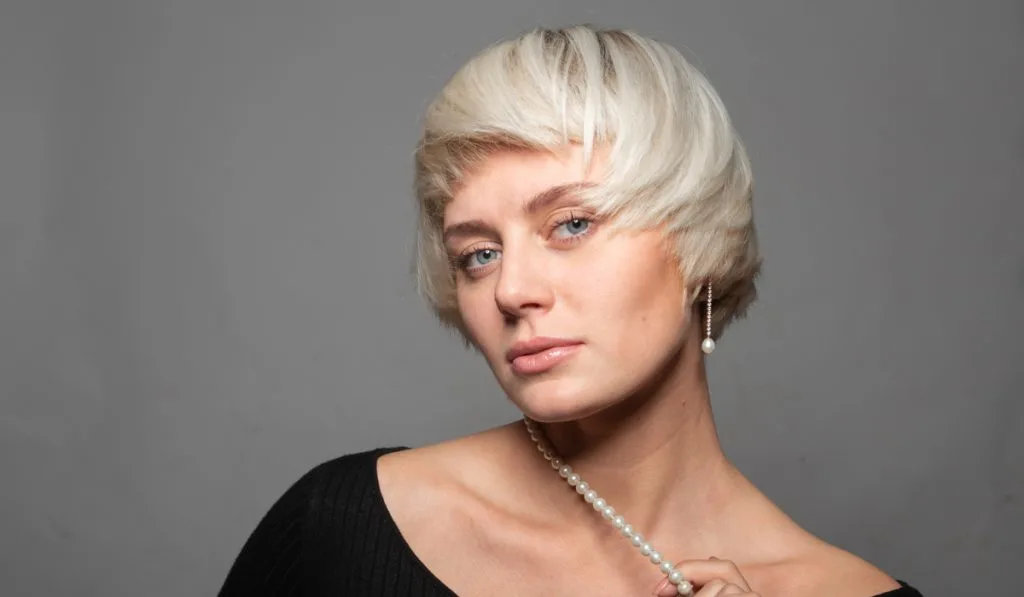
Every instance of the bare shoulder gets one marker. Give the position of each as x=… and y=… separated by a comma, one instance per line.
x=438, y=497
x=829, y=570
x=458, y=461
x=415, y=479
x=434, y=485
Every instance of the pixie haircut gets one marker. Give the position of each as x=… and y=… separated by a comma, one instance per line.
x=674, y=161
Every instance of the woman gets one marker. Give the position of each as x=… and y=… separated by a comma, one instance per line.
x=586, y=225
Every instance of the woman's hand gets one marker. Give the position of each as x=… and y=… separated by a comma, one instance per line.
x=710, y=578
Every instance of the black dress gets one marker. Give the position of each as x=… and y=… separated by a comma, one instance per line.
x=331, y=535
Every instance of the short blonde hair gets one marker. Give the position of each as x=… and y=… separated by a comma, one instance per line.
x=674, y=159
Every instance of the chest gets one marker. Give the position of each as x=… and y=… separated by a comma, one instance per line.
x=532, y=564
x=527, y=575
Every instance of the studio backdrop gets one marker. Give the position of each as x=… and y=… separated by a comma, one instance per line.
x=206, y=224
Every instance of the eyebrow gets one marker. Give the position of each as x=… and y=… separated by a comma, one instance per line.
x=538, y=202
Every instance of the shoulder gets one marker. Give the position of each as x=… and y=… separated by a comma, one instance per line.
x=445, y=485
x=419, y=482
x=829, y=570
x=334, y=480
x=332, y=483
x=313, y=516
x=461, y=463
x=346, y=486
x=351, y=467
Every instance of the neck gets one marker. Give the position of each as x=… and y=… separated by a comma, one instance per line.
x=655, y=458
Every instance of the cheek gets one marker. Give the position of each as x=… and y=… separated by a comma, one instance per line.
x=641, y=292
x=470, y=306
x=480, y=316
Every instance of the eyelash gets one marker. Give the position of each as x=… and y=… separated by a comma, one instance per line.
x=459, y=262
x=569, y=218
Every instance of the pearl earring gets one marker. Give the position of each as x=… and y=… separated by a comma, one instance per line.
x=708, y=345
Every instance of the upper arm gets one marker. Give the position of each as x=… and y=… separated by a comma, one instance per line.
x=271, y=560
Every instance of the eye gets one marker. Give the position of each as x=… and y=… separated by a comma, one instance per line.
x=480, y=258
x=572, y=227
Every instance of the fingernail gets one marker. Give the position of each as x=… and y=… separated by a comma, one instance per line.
x=665, y=589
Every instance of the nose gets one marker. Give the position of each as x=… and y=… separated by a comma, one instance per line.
x=523, y=284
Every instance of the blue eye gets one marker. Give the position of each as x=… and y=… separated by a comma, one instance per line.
x=480, y=258
x=573, y=227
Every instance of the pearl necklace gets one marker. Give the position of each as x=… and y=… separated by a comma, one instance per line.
x=683, y=586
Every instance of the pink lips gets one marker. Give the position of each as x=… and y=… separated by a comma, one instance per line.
x=540, y=354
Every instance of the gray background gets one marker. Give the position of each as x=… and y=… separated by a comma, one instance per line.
x=205, y=234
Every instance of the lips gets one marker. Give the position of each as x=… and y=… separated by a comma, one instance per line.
x=540, y=354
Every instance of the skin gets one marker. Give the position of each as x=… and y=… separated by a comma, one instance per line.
x=629, y=410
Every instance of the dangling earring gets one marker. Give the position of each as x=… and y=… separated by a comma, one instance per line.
x=708, y=345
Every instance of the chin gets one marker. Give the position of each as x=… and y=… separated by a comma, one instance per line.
x=559, y=400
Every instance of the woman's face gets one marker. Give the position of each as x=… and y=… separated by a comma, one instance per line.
x=571, y=316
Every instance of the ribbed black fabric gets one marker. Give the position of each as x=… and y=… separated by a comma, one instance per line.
x=331, y=535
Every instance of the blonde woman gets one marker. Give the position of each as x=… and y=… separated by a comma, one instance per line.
x=585, y=223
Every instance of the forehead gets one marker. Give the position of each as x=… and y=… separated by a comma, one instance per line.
x=505, y=181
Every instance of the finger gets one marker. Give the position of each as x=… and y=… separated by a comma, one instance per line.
x=713, y=588
x=720, y=588
x=701, y=572
x=668, y=589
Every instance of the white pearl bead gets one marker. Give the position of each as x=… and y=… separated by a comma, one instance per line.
x=708, y=346
x=683, y=587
